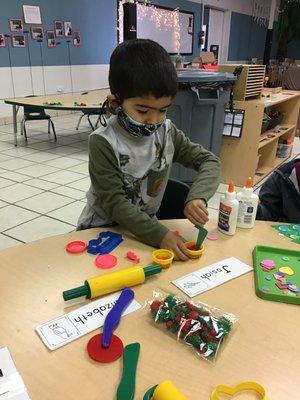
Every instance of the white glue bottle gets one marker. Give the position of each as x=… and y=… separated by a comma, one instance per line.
x=228, y=211
x=248, y=202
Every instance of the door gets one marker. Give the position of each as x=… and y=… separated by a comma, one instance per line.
x=215, y=33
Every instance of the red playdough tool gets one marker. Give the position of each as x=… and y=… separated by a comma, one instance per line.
x=106, y=261
x=105, y=355
x=132, y=256
x=76, y=247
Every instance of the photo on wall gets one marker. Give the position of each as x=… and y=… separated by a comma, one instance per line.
x=18, y=41
x=76, y=38
x=68, y=29
x=2, y=40
x=51, y=43
x=59, y=28
x=32, y=15
x=37, y=33
x=15, y=24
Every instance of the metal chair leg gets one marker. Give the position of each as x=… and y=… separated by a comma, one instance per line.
x=54, y=133
x=77, y=127
x=102, y=120
x=90, y=122
x=24, y=130
x=48, y=126
x=97, y=122
x=22, y=126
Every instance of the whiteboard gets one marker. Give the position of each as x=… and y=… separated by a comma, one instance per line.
x=159, y=24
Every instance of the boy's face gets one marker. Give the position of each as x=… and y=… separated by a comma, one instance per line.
x=147, y=109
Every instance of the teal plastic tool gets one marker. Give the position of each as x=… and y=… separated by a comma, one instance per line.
x=201, y=236
x=126, y=389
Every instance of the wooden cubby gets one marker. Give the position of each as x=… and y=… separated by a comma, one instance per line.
x=254, y=153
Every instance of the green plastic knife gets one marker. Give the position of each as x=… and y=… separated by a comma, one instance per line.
x=201, y=236
x=126, y=389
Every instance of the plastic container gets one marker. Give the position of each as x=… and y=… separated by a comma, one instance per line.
x=248, y=202
x=191, y=252
x=284, y=150
x=257, y=161
x=163, y=257
x=228, y=211
x=198, y=110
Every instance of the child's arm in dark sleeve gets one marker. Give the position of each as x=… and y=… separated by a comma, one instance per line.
x=195, y=156
x=270, y=205
x=106, y=178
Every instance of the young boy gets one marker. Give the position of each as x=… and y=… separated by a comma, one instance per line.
x=280, y=195
x=130, y=159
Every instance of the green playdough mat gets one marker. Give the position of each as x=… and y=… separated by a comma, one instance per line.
x=277, y=274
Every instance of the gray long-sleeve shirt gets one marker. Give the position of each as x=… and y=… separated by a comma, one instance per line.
x=129, y=176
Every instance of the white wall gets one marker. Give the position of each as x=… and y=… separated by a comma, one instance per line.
x=51, y=80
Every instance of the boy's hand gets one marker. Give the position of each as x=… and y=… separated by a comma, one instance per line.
x=196, y=212
x=175, y=243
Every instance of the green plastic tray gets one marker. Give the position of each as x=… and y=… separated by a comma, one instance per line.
x=261, y=253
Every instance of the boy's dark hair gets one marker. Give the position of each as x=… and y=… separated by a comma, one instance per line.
x=141, y=67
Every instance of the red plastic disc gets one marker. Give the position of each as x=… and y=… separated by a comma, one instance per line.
x=105, y=355
x=76, y=247
x=106, y=261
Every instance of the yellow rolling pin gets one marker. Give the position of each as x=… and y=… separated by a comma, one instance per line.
x=109, y=283
x=166, y=390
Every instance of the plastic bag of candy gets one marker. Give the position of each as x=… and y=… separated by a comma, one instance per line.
x=199, y=325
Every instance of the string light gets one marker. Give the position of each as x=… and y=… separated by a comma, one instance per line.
x=162, y=19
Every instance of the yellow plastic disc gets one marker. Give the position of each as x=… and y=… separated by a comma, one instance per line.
x=286, y=270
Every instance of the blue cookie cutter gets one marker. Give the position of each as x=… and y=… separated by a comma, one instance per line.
x=105, y=243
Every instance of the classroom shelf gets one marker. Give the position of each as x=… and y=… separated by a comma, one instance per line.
x=261, y=172
x=253, y=151
x=266, y=139
x=278, y=97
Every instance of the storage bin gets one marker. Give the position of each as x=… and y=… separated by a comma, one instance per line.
x=199, y=111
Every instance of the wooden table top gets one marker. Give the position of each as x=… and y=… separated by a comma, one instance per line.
x=91, y=99
x=264, y=347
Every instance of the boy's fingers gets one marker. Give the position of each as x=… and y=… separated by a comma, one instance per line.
x=179, y=254
x=183, y=249
x=197, y=219
x=203, y=208
x=192, y=215
x=192, y=220
x=202, y=214
x=202, y=217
